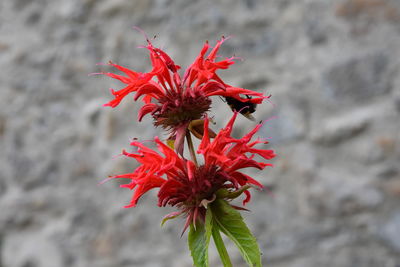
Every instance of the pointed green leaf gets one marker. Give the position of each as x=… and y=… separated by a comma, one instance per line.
x=232, y=225
x=219, y=244
x=199, y=239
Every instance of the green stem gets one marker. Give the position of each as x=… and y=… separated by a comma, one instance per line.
x=219, y=243
x=191, y=147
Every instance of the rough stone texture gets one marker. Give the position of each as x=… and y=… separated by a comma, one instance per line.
x=357, y=79
x=333, y=70
x=391, y=230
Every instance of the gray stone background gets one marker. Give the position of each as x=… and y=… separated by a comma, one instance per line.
x=332, y=67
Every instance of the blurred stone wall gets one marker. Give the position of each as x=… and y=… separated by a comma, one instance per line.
x=332, y=67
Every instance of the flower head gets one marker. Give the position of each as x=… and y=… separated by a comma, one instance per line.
x=189, y=187
x=175, y=101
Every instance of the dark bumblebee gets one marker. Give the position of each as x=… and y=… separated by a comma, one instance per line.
x=245, y=108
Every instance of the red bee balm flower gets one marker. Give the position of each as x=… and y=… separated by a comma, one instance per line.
x=178, y=101
x=190, y=187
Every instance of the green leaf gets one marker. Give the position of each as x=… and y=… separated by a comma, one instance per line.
x=199, y=239
x=219, y=243
x=231, y=223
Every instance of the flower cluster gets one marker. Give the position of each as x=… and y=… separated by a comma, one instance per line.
x=178, y=101
x=202, y=192
x=189, y=187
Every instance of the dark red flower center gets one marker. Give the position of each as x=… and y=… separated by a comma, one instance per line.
x=191, y=192
x=178, y=108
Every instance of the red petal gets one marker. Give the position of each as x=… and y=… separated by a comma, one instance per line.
x=205, y=141
x=148, y=108
x=248, y=197
x=120, y=94
x=149, y=88
x=145, y=186
x=266, y=154
x=214, y=51
x=212, y=86
x=119, y=77
x=132, y=74
x=245, y=179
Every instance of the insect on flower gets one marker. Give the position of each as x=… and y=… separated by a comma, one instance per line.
x=175, y=101
x=245, y=108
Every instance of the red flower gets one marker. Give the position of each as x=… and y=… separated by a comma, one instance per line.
x=190, y=187
x=178, y=101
